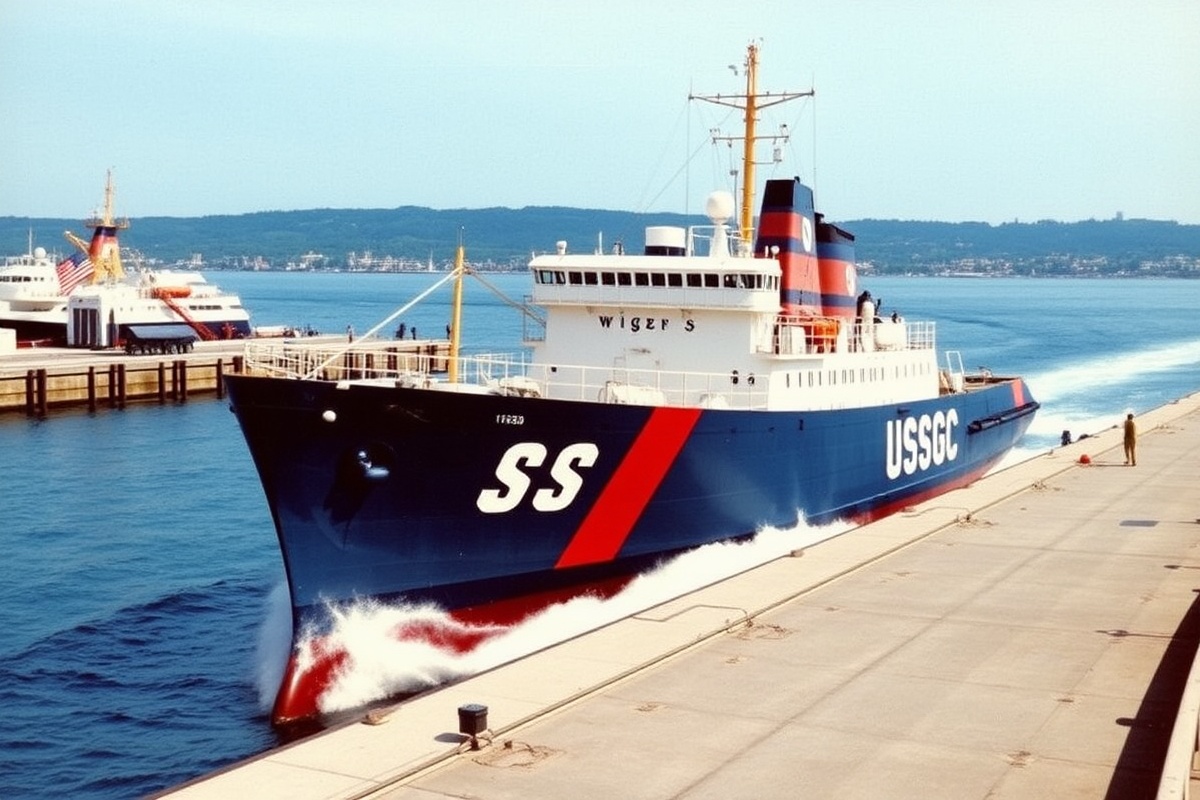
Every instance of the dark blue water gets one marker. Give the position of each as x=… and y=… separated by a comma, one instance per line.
x=139, y=558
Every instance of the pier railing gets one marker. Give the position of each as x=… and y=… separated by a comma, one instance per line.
x=1183, y=748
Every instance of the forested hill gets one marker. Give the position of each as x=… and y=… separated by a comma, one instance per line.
x=505, y=237
x=1105, y=246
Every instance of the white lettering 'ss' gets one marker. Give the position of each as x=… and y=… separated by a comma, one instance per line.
x=517, y=482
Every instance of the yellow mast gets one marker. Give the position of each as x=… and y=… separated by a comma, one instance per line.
x=748, y=144
x=751, y=103
x=456, y=311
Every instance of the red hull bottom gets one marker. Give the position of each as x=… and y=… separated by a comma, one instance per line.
x=315, y=665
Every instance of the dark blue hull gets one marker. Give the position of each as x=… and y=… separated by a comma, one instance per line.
x=473, y=501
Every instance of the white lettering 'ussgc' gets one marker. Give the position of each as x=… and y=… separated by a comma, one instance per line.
x=916, y=443
x=567, y=481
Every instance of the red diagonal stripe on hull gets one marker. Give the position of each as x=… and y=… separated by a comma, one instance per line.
x=611, y=519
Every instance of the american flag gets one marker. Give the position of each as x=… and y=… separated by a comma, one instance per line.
x=72, y=271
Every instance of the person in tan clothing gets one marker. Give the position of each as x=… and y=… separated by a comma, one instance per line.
x=1130, y=441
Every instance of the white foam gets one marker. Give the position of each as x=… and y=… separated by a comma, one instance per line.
x=382, y=665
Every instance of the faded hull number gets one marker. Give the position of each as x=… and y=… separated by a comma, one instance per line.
x=564, y=479
x=917, y=443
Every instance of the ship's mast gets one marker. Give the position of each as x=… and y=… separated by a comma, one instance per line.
x=104, y=249
x=750, y=102
x=456, y=311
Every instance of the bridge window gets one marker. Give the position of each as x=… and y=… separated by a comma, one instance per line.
x=608, y=279
x=590, y=278
x=712, y=280
x=575, y=278
x=641, y=279
x=694, y=280
x=674, y=279
x=658, y=279
x=623, y=279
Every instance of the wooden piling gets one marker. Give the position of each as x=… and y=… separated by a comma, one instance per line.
x=29, y=384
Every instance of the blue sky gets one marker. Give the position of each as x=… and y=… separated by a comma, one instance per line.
x=939, y=109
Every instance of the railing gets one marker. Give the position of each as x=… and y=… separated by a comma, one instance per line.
x=806, y=335
x=506, y=375
x=1180, y=761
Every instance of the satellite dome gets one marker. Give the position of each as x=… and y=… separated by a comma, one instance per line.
x=719, y=207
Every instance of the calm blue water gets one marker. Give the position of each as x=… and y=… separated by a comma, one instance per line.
x=139, y=557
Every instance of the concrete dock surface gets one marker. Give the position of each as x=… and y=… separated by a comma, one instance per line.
x=1027, y=636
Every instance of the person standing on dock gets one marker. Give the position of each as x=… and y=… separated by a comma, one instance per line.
x=1130, y=441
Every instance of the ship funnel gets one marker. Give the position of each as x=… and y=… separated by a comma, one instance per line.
x=838, y=273
x=788, y=222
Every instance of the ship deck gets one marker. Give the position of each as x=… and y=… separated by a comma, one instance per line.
x=1027, y=636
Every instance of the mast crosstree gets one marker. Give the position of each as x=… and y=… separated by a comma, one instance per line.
x=750, y=103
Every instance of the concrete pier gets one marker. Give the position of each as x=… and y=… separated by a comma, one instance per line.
x=1027, y=636
x=38, y=381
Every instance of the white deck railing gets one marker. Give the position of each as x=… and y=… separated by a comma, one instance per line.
x=429, y=367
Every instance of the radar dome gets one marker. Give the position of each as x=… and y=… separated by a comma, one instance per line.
x=719, y=207
x=39, y=252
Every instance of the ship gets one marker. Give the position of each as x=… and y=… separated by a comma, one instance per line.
x=31, y=302
x=89, y=299
x=724, y=379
